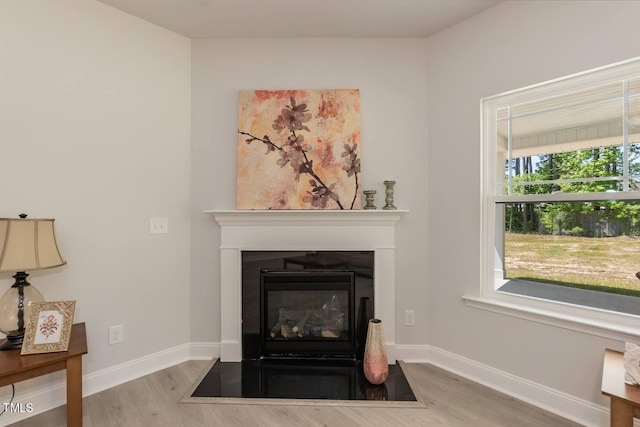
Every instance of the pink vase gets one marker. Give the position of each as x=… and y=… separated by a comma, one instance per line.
x=375, y=363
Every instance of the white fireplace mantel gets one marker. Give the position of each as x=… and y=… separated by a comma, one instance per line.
x=306, y=217
x=304, y=230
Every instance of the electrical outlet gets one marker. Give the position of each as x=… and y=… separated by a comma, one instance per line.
x=409, y=318
x=116, y=334
x=158, y=225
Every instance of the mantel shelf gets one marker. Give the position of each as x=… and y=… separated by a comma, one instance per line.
x=307, y=217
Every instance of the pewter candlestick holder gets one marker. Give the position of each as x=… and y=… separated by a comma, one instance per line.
x=389, y=193
x=369, y=198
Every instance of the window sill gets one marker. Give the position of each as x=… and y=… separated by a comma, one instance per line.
x=592, y=321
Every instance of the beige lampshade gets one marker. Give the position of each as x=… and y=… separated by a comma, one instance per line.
x=28, y=244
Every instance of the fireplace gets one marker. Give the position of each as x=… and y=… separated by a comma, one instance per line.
x=308, y=313
x=302, y=231
x=306, y=303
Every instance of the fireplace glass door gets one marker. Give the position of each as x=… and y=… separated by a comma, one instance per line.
x=307, y=313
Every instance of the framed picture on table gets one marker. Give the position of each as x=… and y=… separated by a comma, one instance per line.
x=48, y=327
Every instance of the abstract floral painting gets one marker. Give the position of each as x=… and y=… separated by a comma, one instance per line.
x=299, y=149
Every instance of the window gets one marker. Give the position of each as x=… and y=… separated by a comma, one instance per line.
x=561, y=201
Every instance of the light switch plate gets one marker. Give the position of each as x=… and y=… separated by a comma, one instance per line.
x=158, y=225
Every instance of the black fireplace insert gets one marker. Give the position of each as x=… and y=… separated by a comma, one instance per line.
x=307, y=313
x=255, y=262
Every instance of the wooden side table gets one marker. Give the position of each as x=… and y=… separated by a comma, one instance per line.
x=15, y=367
x=625, y=398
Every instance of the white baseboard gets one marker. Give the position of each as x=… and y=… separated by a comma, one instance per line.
x=557, y=402
x=204, y=350
x=44, y=398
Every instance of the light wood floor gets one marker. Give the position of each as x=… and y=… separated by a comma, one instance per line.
x=154, y=400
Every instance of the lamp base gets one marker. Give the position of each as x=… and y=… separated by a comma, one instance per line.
x=12, y=342
x=12, y=320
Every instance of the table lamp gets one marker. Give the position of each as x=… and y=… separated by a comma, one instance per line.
x=25, y=244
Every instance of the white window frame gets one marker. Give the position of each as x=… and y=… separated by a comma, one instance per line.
x=594, y=321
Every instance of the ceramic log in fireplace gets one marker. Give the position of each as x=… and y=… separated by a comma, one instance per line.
x=307, y=313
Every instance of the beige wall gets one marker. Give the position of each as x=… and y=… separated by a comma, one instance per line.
x=391, y=76
x=95, y=132
x=511, y=45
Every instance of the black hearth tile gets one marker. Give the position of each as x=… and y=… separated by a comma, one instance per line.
x=301, y=379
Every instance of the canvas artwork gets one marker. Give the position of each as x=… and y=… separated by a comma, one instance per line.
x=299, y=149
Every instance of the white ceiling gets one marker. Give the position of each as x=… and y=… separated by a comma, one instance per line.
x=303, y=18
